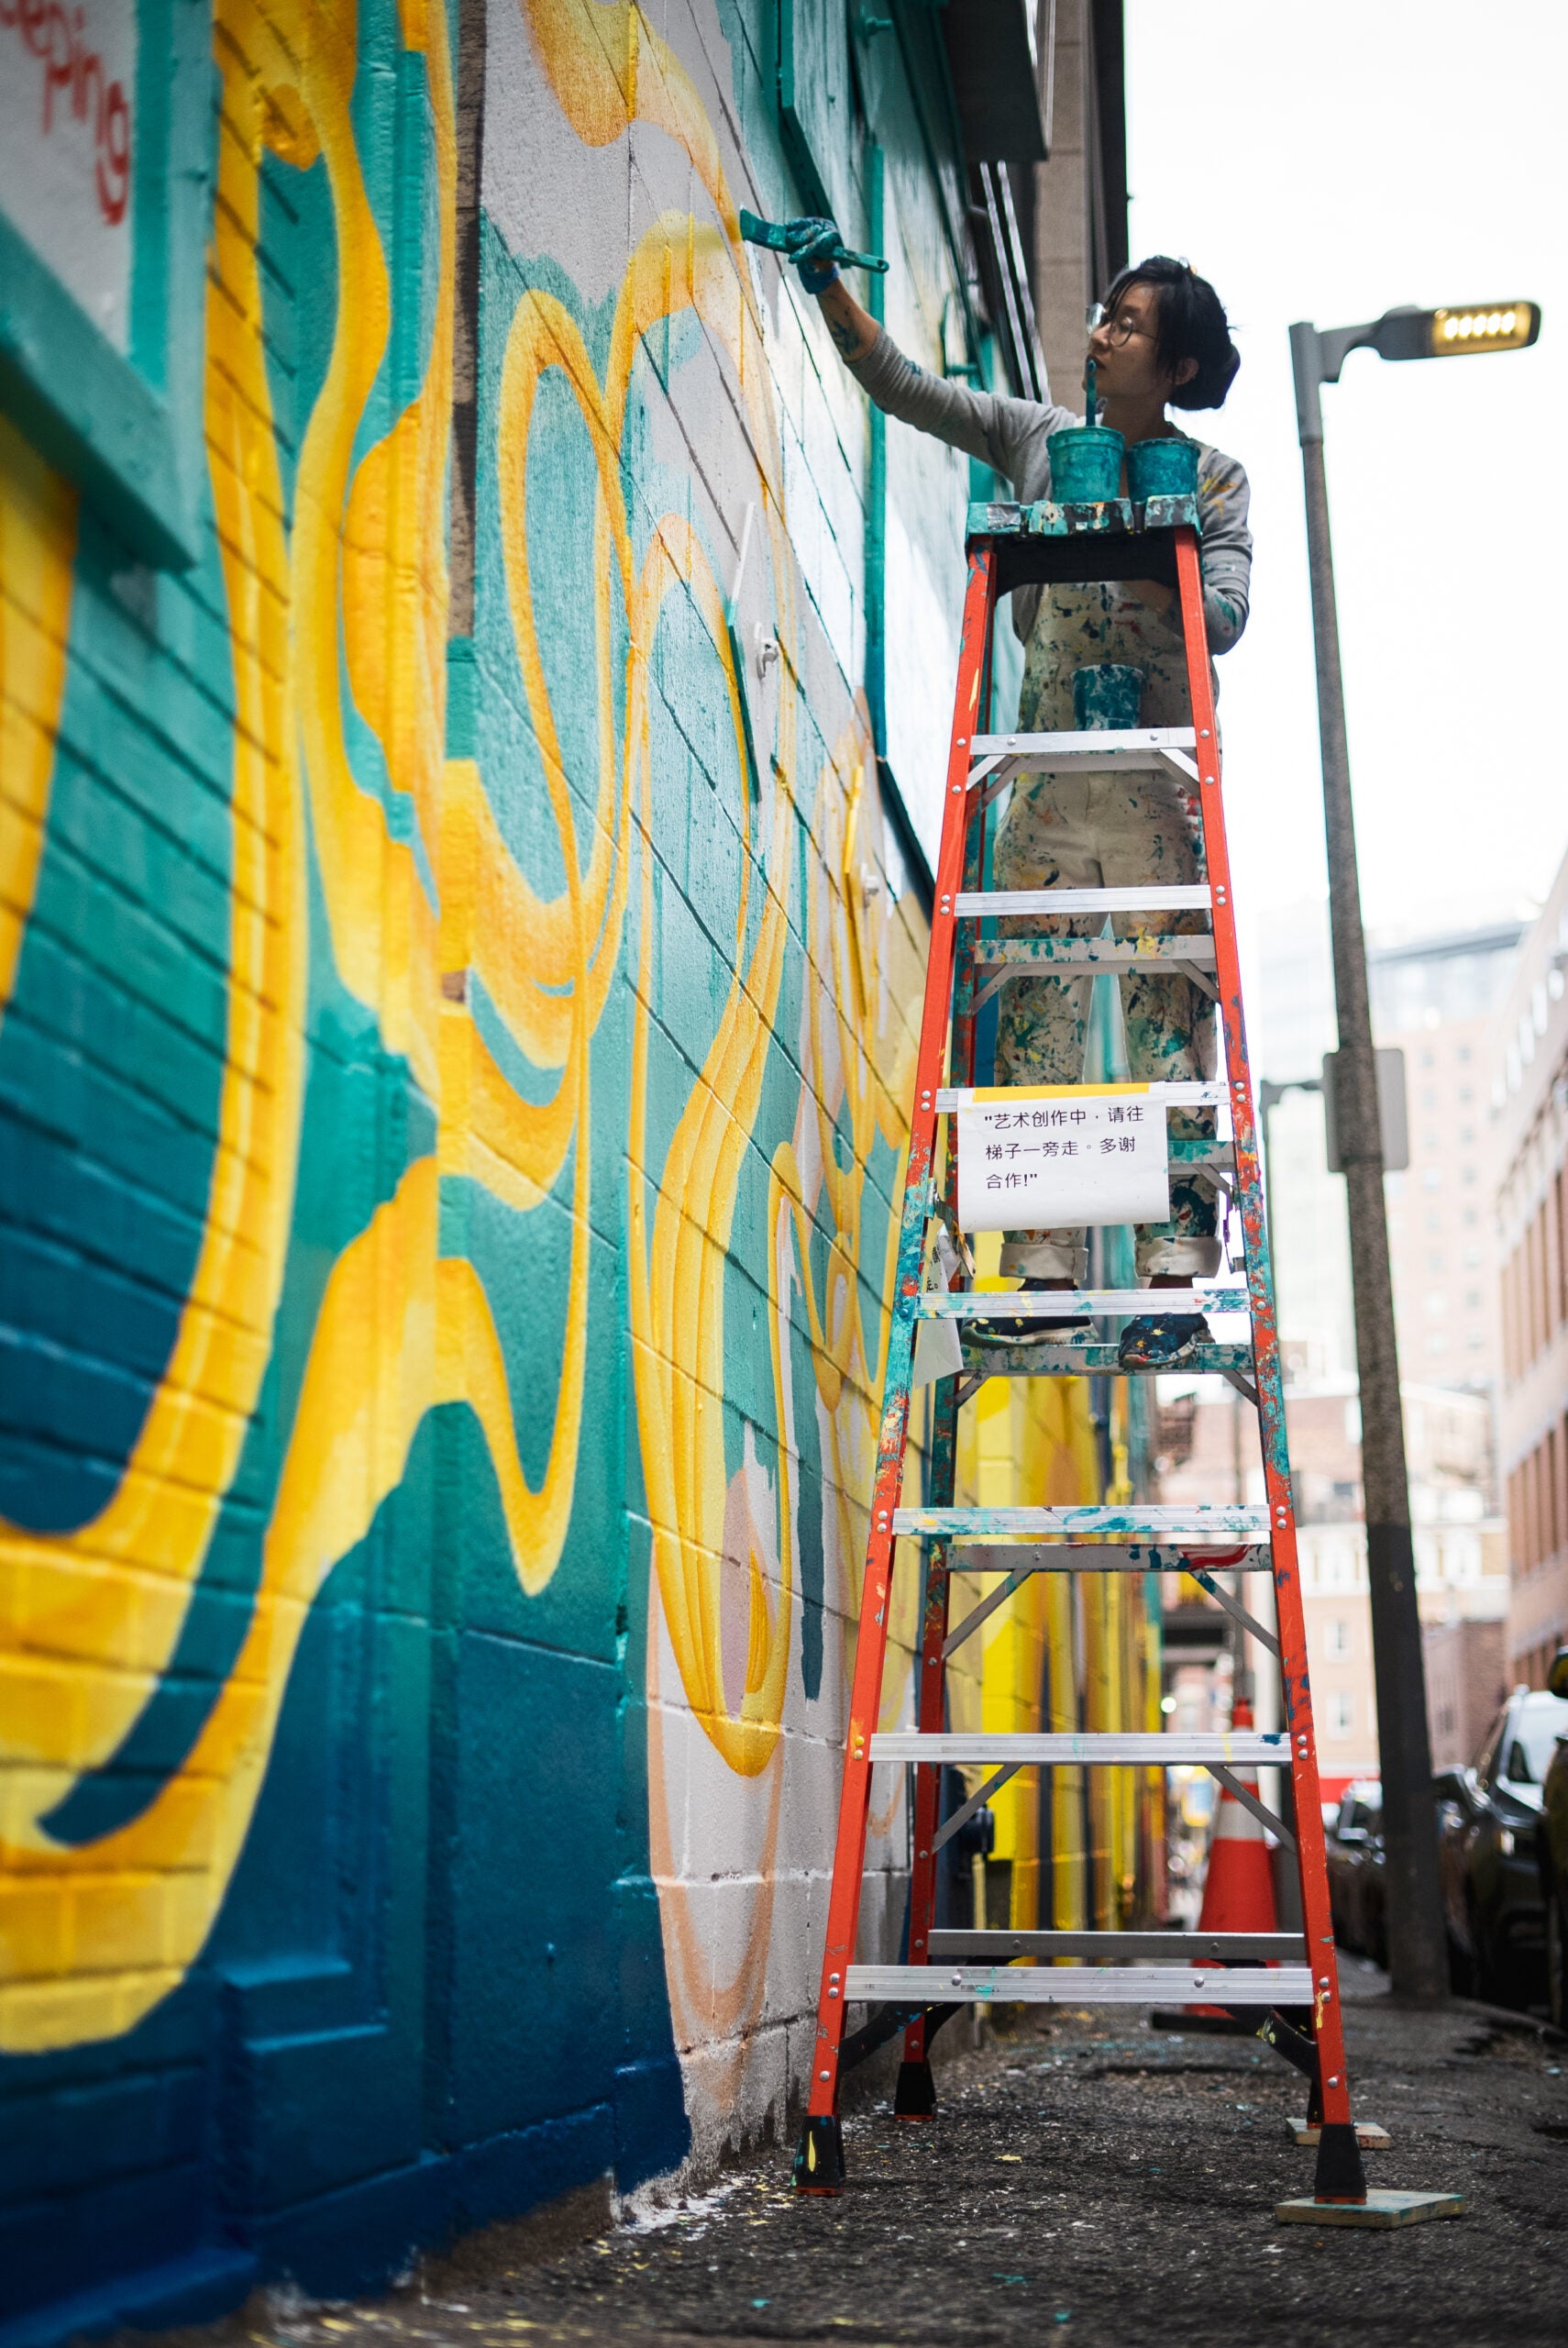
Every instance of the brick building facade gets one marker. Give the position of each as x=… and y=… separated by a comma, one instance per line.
x=1530, y=1103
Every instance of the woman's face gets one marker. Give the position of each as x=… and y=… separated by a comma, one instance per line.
x=1124, y=348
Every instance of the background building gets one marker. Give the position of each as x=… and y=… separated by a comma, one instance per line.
x=474, y=682
x=1529, y=1106
x=1460, y=1574
x=1434, y=997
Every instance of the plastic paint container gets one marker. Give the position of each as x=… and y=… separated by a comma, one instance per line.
x=1086, y=464
x=1164, y=468
x=1107, y=696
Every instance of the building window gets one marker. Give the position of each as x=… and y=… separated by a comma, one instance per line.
x=1342, y=1713
x=1338, y=1641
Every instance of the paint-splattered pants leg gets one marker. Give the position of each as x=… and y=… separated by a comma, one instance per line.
x=1102, y=831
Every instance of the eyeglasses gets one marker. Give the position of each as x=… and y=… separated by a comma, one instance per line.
x=1117, y=331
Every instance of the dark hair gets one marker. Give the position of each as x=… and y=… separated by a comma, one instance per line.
x=1193, y=325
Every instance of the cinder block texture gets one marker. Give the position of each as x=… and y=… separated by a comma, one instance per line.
x=450, y=1121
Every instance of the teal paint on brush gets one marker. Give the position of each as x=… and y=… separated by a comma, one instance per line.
x=773, y=236
x=1163, y=468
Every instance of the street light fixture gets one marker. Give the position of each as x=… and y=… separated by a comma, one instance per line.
x=1418, y=1963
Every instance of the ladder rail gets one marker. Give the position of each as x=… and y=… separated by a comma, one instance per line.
x=915, y=2092
x=871, y=1636
x=1332, y=2091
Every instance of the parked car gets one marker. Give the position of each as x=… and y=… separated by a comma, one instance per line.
x=1356, y=1871
x=1551, y=1851
x=1487, y=1821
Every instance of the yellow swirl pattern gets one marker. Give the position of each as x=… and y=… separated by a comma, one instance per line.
x=37, y=542
x=352, y=599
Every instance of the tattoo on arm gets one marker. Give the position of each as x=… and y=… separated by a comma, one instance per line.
x=846, y=341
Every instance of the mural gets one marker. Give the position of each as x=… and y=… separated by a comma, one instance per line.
x=452, y=1092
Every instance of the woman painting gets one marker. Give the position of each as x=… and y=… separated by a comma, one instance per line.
x=1159, y=340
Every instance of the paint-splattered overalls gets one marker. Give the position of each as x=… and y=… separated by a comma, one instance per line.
x=1097, y=832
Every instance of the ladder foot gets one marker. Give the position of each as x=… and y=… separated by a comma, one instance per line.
x=819, y=2159
x=914, y=2098
x=1339, y=2176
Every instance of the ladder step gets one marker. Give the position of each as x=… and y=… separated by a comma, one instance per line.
x=1198, y=1093
x=1104, y=953
x=1079, y=1984
x=1067, y=1748
x=1061, y=1303
x=1095, y=1361
x=1200, y=1520
x=1100, y=1557
x=979, y=904
x=1138, y=749
x=1115, y=1948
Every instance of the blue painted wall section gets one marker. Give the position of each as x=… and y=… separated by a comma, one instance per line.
x=449, y=1112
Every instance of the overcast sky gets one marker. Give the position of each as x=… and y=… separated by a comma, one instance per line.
x=1329, y=162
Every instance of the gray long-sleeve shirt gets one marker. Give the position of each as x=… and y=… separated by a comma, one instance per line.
x=1011, y=435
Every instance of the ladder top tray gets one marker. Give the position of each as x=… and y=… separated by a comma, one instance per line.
x=1114, y=539
x=1001, y=518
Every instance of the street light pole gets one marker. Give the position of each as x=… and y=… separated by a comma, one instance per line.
x=1416, y=1952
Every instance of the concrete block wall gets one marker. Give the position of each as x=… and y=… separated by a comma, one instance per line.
x=450, y=1117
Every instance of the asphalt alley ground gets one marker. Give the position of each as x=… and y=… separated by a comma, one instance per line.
x=1087, y=2179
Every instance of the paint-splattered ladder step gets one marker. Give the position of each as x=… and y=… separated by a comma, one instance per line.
x=1092, y=953
x=1046, y=1360
x=1052, y=905
x=1191, y=1094
x=1016, y=1558
x=1085, y=1748
x=1064, y=1303
x=1194, y=1520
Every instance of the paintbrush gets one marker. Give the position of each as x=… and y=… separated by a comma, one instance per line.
x=775, y=238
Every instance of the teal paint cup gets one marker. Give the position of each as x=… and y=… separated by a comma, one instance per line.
x=1161, y=468
x=1107, y=696
x=1086, y=464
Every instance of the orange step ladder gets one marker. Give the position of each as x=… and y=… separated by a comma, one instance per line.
x=1285, y=1984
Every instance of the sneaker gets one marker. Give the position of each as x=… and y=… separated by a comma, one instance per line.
x=1162, y=1340
x=1012, y=1329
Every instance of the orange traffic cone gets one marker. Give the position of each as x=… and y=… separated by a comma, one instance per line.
x=1238, y=1891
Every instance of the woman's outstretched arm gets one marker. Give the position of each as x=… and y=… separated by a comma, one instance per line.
x=854, y=330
